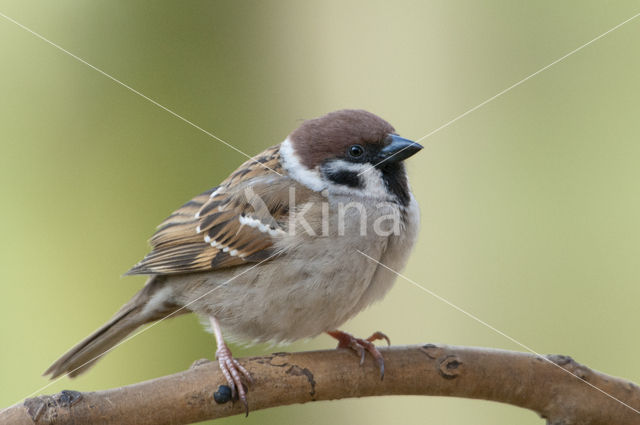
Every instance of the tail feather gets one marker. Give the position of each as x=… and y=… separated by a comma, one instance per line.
x=130, y=317
x=85, y=354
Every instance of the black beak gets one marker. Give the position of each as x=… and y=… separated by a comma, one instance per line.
x=397, y=150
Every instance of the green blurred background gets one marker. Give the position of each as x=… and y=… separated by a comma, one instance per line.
x=530, y=205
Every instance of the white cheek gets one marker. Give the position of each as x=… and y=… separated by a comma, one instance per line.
x=374, y=186
x=297, y=171
x=374, y=183
x=371, y=178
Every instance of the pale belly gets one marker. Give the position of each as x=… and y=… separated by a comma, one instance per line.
x=315, y=286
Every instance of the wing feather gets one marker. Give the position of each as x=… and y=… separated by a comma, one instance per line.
x=222, y=227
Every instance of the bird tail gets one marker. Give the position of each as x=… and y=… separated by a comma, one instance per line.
x=146, y=306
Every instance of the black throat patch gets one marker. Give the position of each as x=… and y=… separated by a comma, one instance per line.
x=395, y=178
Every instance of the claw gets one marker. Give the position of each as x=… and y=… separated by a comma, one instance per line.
x=379, y=335
x=231, y=369
x=362, y=352
x=244, y=371
x=362, y=346
x=233, y=373
x=381, y=366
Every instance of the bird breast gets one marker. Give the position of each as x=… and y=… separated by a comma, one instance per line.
x=319, y=280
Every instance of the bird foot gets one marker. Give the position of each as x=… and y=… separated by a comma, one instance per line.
x=362, y=346
x=234, y=373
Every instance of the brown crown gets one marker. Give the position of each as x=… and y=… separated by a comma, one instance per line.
x=330, y=135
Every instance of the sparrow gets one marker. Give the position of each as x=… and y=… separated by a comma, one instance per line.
x=274, y=253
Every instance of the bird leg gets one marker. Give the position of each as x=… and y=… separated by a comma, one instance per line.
x=362, y=346
x=231, y=369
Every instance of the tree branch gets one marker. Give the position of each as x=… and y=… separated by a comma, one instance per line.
x=519, y=379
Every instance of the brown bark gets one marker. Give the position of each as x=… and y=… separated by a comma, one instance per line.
x=519, y=379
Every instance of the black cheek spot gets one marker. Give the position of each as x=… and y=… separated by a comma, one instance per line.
x=344, y=177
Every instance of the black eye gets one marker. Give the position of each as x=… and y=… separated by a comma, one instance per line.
x=356, y=151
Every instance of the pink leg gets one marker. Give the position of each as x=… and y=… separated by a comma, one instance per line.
x=231, y=369
x=362, y=346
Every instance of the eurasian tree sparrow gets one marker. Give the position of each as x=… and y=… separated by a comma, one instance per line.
x=271, y=254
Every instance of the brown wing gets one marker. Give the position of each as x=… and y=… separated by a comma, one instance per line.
x=234, y=223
